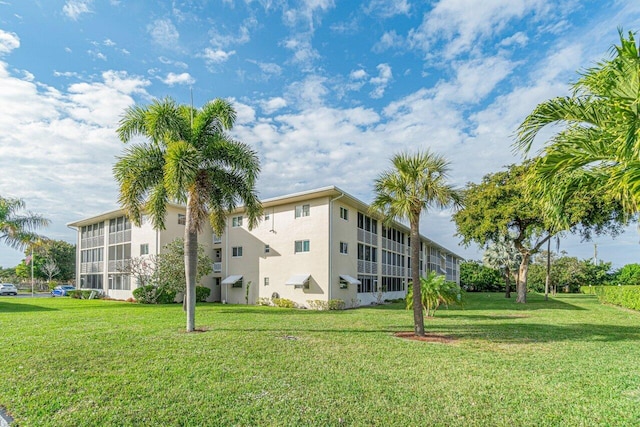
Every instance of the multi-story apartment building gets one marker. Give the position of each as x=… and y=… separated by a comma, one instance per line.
x=321, y=244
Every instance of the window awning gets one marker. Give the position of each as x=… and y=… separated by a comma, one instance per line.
x=298, y=280
x=350, y=280
x=230, y=280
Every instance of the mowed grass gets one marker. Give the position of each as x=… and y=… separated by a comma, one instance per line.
x=569, y=361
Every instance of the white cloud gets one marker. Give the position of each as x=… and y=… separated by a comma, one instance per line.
x=216, y=56
x=272, y=105
x=167, y=61
x=463, y=24
x=164, y=33
x=97, y=55
x=62, y=145
x=389, y=40
x=358, y=74
x=243, y=35
x=8, y=42
x=308, y=92
x=388, y=8
x=178, y=79
x=303, y=52
x=381, y=81
x=518, y=39
x=75, y=8
x=269, y=68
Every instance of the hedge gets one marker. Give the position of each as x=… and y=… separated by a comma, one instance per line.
x=624, y=296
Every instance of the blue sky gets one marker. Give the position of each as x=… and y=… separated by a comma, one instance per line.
x=327, y=91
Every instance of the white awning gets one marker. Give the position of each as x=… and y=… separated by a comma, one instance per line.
x=350, y=280
x=298, y=279
x=230, y=280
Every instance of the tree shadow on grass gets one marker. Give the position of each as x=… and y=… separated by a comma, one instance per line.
x=8, y=307
x=499, y=333
x=527, y=333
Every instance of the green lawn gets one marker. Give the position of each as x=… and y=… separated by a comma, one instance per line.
x=569, y=362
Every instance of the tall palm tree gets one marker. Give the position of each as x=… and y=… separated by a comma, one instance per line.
x=17, y=229
x=189, y=159
x=502, y=255
x=599, y=145
x=415, y=183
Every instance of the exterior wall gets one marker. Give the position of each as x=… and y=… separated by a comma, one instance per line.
x=280, y=232
x=345, y=231
x=324, y=228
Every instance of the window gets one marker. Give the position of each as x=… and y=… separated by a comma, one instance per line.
x=301, y=246
x=344, y=213
x=266, y=281
x=267, y=216
x=236, y=251
x=302, y=210
x=237, y=284
x=236, y=221
x=182, y=219
x=144, y=249
x=267, y=249
x=119, y=282
x=217, y=239
x=344, y=248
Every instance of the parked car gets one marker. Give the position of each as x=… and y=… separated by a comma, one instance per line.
x=61, y=291
x=8, y=289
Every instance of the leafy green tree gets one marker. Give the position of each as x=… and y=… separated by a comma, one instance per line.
x=500, y=205
x=188, y=158
x=596, y=274
x=415, y=183
x=629, y=275
x=508, y=202
x=599, y=144
x=477, y=277
x=435, y=291
x=169, y=272
x=503, y=256
x=17, y=227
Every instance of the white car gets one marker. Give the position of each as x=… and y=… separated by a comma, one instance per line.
x=8, y=289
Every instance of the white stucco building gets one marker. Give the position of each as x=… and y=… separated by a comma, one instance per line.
x=315, y=245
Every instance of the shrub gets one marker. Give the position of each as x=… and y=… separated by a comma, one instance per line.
x=284, y=303
x=624, y=296
x=435, y=290
x=336, y=304
x=318, y=304
x=202, y=293
x=85, y=293
x=154, y=295
x=264, y=301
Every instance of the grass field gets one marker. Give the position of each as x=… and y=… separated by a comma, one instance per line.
x=569, y=362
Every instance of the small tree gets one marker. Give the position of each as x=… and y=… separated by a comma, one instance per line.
x=436, y=290
x=169, y=271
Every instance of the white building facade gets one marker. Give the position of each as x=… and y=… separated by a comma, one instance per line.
x=321, y=244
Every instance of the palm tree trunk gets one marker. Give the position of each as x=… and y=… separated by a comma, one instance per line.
x=521, y=286
x=190, y=267
x=418, y=318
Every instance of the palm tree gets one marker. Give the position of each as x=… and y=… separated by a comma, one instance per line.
x=600, y=145
x=502, y=255
x=188, y=159
x=415, y=183
x=17, y=229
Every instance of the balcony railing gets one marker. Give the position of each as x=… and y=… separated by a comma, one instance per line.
x=217, y=267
